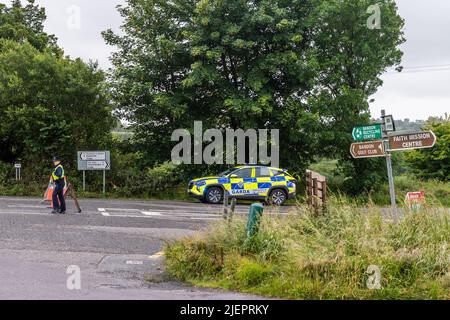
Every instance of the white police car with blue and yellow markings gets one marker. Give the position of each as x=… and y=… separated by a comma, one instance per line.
x=273, y=185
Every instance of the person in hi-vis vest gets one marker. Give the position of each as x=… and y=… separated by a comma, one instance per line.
x=59, y=204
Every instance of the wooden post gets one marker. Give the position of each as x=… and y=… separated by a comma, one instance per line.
x=324, y=195
x=232, y=208
x=316, y=190
x=225, y=205
x=315, y=193
x=309, y=188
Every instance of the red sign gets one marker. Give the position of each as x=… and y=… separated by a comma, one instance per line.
x=415, y=196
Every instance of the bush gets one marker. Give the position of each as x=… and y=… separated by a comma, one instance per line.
x=204, y=260
x=433, y=163
x=158, y=181
x=10, y=187
x=252, y=273
x=6, y=172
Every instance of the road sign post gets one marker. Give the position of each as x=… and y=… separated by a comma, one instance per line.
x=389, y=168
x=104, y=181
x=18, y=167
x=94, y=161
x=84, y=180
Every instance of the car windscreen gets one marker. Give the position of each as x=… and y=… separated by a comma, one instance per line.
x=227, y=172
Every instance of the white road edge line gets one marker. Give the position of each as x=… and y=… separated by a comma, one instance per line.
x=27, y=206
x=23, y=212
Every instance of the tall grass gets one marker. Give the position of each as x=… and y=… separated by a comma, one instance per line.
x=303, y=256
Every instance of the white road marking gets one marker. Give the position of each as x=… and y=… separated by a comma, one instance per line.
x=158, y=214
x=121, y=209
x=151, y=213
x=157, y=211
x=103, y=212
x=156, y=255
x=24, y=212
x=162, y=217
x=133, y=213
x=134, y=262
x=26, y=206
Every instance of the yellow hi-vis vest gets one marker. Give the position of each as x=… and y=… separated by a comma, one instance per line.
x=54, y=176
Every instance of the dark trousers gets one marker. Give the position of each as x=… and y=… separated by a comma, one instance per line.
x=59, y=204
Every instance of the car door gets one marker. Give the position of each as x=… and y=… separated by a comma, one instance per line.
x=264, y=181
x=243, y=183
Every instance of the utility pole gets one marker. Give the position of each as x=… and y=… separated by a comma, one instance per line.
x=389, y=167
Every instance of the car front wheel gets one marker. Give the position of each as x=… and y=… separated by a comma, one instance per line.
x=277, y=197
x=214, y=195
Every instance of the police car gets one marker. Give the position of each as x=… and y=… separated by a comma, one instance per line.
x=273, y=185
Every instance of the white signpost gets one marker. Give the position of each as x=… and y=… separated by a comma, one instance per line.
x=18, y=167
x=94, y=161
x=389, y=124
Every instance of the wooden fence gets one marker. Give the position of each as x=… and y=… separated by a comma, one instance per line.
x=316, y=189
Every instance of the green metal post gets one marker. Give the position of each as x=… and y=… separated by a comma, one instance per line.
x=254, y=219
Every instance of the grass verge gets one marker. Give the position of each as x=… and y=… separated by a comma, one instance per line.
x=335, y=256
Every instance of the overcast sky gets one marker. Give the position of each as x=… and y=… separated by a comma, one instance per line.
x=415, y=94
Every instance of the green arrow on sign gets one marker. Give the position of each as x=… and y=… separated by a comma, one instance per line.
x=373, y=132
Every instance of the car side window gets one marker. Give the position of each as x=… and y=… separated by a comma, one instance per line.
x=244, y=173
x=262, y=172
x=277, y=172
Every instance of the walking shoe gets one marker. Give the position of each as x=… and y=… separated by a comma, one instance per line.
x=54, y=212
x=62, y=212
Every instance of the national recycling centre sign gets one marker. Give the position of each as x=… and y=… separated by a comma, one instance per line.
x=373, y=132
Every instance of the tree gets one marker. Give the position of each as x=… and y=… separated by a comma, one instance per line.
x=49, y=104
x=152, y=61
x=433, y=163
x=26, y=23
x=351, y=59
x=304, y=67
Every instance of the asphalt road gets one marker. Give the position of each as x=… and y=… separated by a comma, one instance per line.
x=116, y=246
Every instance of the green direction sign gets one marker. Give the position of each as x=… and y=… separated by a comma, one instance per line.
x=373, y=132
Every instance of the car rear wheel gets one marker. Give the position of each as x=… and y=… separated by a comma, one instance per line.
x=277, y=197
x=214, y=195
